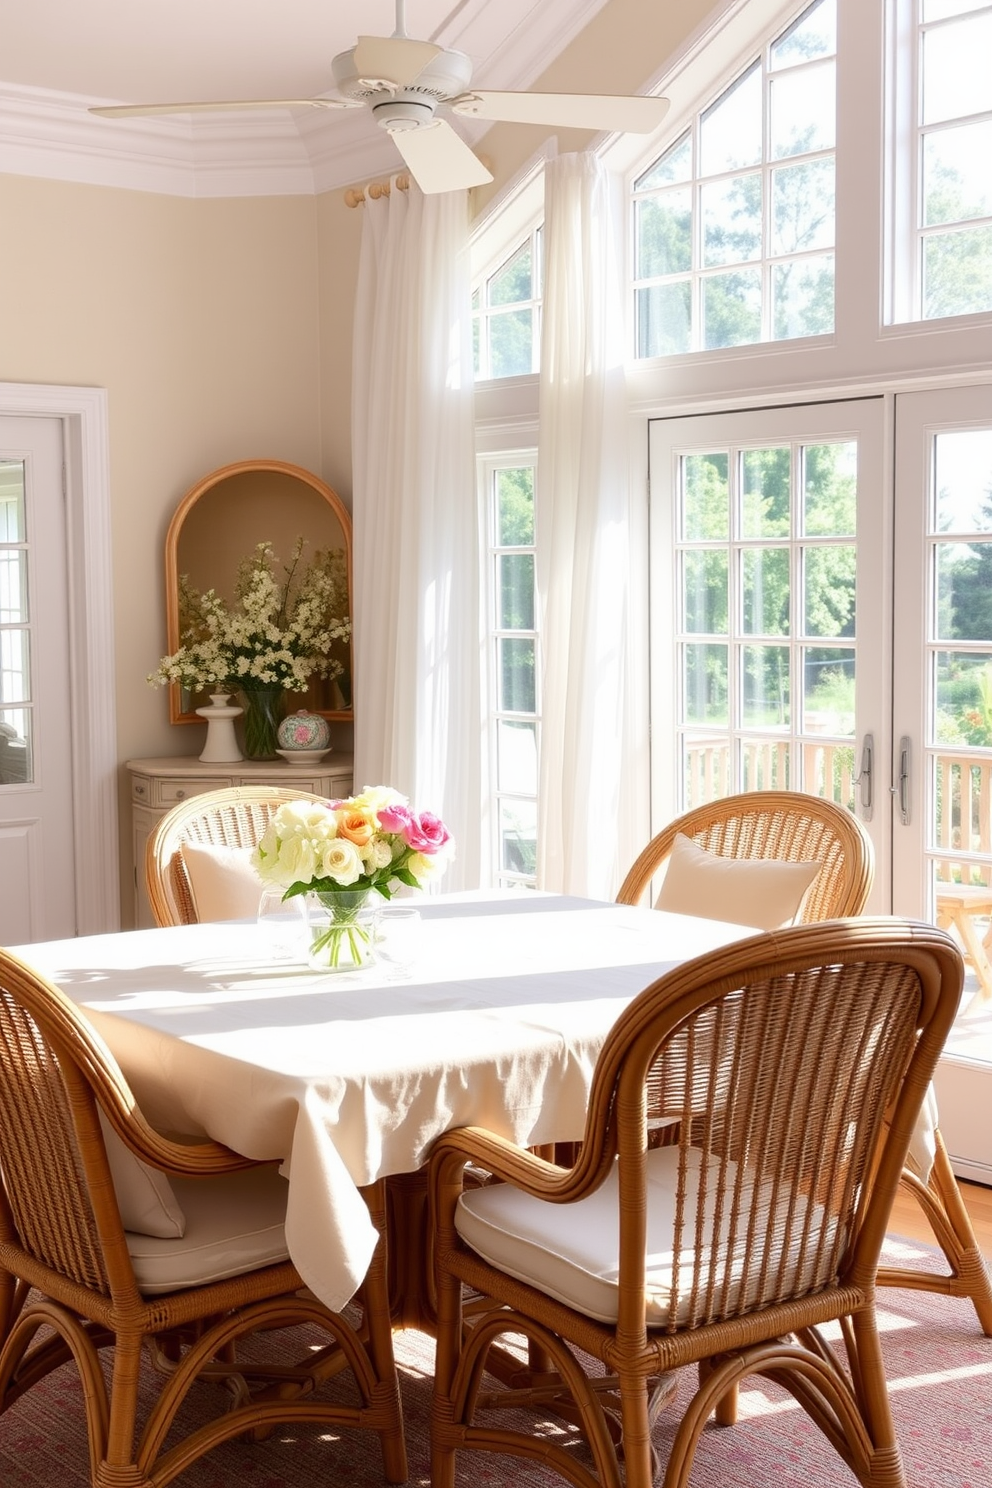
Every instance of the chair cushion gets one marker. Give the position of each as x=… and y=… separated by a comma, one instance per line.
x=571, y=1251
x=234, y=1223
x=145, y=1196
x=223, y=883
x=763, y=892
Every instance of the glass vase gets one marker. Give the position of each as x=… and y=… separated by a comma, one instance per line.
x=263, y=715
x=342, y=929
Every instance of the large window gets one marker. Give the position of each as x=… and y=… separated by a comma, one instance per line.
x=506, y=313
x=509, y=491
x=952, y=268
x=734, y=223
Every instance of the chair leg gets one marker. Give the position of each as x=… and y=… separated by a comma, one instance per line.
x=941, y=1202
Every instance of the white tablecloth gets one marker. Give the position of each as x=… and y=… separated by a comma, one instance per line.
x=348, y=1078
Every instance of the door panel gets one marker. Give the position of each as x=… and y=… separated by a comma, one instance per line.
x=942, y=723
x=36, y=833
x=770, y=609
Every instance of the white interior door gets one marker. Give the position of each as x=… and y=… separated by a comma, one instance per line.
x=942, y=761
x=771, y=627
x=36, y=816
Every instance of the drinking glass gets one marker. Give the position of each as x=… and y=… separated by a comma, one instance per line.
x=398, y=937
x=283, y=925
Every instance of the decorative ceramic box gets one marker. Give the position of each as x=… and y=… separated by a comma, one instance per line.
x=304, y=731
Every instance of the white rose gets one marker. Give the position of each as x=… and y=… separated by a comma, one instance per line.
x=379, y=853
x=296, y=861
x=340, y=861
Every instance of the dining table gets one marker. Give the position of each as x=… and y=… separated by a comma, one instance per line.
x=493, y=1016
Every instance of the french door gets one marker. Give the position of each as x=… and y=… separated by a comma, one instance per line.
x=821, y=620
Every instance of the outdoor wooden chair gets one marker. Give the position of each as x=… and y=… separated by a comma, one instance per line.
x=795, y=827
x=114, y=1238
x=795, y=1063
x=215, y=825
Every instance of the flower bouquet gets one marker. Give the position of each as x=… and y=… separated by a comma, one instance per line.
x=341, y=854
x=277, y=633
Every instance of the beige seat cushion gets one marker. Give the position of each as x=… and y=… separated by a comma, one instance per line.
x=234, y=1223
x=224, y=884
x=145, y=1196
x=571, y=1251
x=762, y=892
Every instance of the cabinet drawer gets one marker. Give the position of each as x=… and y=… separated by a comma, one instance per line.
x=171, y=791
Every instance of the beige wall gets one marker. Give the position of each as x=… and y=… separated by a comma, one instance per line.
x=222, y=330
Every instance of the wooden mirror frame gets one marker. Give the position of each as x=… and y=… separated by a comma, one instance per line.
x=177, y=714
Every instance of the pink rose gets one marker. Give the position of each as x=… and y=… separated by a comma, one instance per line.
x=395, y=818
x=426, y=833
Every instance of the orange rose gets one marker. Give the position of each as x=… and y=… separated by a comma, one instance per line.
x=356, y=828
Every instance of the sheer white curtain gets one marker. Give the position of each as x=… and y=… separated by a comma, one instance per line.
x=417, y=633
x=582, y=532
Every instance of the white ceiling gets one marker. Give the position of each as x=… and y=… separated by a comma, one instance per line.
x=58, y=56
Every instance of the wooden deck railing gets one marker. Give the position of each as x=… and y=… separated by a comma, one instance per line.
x=963, y=786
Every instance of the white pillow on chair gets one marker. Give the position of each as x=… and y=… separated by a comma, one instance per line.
x=223, y=883
x=763, y=892
x=145, y=1196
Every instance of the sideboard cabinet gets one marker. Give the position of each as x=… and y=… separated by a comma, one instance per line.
x=157, y=784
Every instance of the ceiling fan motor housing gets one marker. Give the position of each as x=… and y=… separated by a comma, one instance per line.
x=397, y=109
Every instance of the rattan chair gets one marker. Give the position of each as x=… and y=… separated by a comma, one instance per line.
x=794, y=826
x=796, y=1062
x=74, y=1283
x=235, y=816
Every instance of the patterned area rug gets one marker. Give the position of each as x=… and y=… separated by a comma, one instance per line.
x=938, y=1364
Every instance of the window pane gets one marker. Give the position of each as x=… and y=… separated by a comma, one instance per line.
x=675, y=165
x=511, y=343
x=731, y=220
x=515, y=497
x=957, y=173
x=803, y=107
x=704, y=684
x=512, y=282
x=829, y=590
x=957, y=77
x=704, y=588
x=803, y=298
x=963, y=698
x=814, y=34
x=765, y=699
x=730, y=130
x=830, y=475
x=828, y=679
x=516, y=750
x=803, y=206
x=765, y=488
x=957, y=272
x=516, y=591
x=664, y=319
x=963, y=585
x=518, y=836
x=16, y=753
x=12, y=501
x=13, y=587
x=765, y=591
x=963, y=481
x=732, y=309
x=664, y=233
x=518, y=693
x=705, y=508
x=15, y=674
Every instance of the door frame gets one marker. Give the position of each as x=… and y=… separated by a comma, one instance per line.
x=92, y=697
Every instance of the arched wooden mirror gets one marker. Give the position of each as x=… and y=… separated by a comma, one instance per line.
x=220, y=521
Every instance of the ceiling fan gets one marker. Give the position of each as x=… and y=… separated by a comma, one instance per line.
x=405, y=82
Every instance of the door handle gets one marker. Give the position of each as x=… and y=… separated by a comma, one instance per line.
x=901, y=787
x=865, y=777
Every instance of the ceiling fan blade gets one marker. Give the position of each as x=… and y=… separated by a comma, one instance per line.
x=136, y=110
x=392, y=59
x=439, y=159
x=624, y=115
